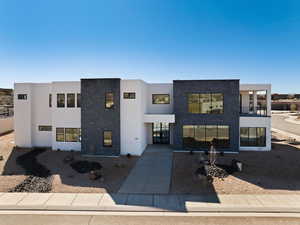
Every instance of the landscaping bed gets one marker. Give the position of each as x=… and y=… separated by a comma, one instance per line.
x=272, y=172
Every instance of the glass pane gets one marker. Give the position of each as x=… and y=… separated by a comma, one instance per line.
x=160, y=99
x=60, y=134
x=244, y=136
x=205, y=103
x=72, y=135
x=200, y=136
x=109, y=100
x=261, y=136
x=107, y=138
x=50, y=100
x=193, y=103
x=45, y=128
x=223, y=136
x=211, y=133
x=252, y=136
x=188, y=136
x=217, y=103
x=60, y=100
x=71, y=100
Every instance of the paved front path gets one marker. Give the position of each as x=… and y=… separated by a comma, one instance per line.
x=149, y=203
x=152, y=172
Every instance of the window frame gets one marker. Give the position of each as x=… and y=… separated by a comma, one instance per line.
x=111, y=138
x=22, y=96
x=165, y=103
x=78, y=96
x=130, y=95
x=256, y=137
x=192, y=100
x=206, y=143
x=50, y=100
x=57, y=102
x=72, y=97
x=106, y=99
x=42, y=128
x=78, y=135
x=56, y=134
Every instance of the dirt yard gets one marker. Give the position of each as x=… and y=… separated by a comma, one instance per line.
x=65, y=179
x=273, y=172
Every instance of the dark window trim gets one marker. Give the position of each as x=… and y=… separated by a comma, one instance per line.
x=79, y=136
x=205, y=132
x=64, y=100
x=45, y=126
x=50, y=100
x=56, y=134
x=113, y=99
x=131, y=95
x=210, y=93
x=22, y=96
x=78, y=105
x=111, y=138
x=248, y=141
x=167, y=103
x=71, y=94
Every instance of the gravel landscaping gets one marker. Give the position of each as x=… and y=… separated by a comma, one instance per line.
x=15, y=176
x=273, y=172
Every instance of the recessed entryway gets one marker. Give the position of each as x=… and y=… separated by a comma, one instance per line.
x=160, y=133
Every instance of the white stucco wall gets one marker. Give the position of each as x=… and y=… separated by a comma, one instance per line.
x=159, y=108
x=65, y=117
x=22, y=115
x=6, y=124
x=258, y=122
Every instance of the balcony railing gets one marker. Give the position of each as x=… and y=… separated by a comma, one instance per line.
x=253, y=111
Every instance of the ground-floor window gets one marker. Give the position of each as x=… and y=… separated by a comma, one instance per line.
x=107, y=138
x=253, y=136
x=68, y=134
x=197, y=136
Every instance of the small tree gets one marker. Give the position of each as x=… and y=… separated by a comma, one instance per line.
x=293, y=107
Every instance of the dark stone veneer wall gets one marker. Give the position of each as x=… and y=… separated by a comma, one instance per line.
x=231, y=117
x=95, y=118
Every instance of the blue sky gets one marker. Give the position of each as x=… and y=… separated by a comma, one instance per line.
x=154, y=40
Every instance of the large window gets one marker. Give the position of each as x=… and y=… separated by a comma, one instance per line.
x=60, y=100
x=45, y=128
x=60, y=134
x=107, y=138
x=70, y=100
x=78, y=100
x=109, y=100
x=72, y=134
x=209, y=103
x=160, y=99
x=253, y=136
x=197, y=136
x=129, y=95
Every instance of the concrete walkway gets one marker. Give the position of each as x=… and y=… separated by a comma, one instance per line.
x=152, y=172
x=149, y=203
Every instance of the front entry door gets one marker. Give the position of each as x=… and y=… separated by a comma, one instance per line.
x=161, y=133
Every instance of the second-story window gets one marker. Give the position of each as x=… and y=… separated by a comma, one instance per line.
x=71, y=100
x=22, y=96
x=50, y=100
x=160, y=99
x=60, y=100
x=208, y=103
x=78, y=100
x=129, y=95
x=109, y=100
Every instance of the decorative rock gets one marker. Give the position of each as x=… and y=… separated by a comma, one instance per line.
x=95, y=174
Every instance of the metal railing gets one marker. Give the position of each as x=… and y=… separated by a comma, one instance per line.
x=254, y=111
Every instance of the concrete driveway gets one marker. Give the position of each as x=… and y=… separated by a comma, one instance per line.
x=152, y=172
x=278, y=122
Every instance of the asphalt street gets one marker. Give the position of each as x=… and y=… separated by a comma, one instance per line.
x=279, y=123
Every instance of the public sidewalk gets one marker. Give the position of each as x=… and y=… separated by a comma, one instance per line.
x=149, y=203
